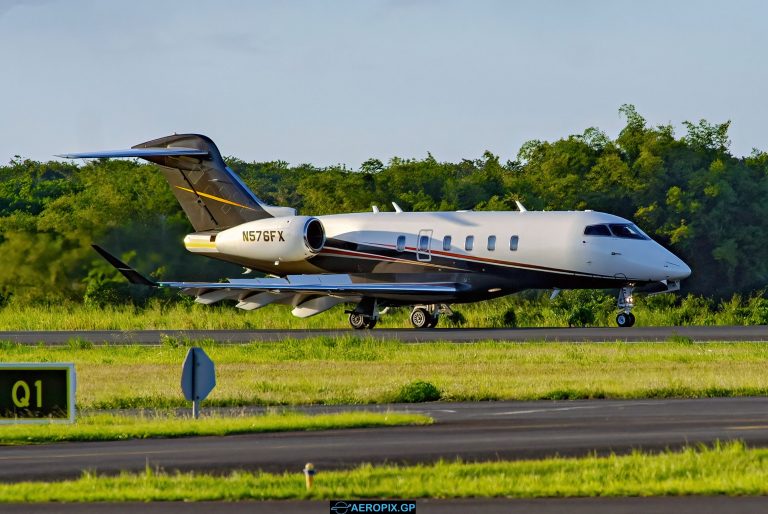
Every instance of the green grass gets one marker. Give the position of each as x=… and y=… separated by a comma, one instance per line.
x=524, y=310
x=362, y=370
x=111, y=427
x=729, y=469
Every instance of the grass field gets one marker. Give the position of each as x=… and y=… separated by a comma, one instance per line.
x=358, y=370
x=111, y=427
x=729, y=469
x=527, y=310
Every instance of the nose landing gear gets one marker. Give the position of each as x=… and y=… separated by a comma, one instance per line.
x=625, y=303
x=625, y=319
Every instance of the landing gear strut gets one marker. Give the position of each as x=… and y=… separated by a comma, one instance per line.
x=625, y=304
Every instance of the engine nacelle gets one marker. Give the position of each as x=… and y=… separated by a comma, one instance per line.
x=284, y=239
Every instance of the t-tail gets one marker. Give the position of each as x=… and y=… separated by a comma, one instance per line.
x=211, y=194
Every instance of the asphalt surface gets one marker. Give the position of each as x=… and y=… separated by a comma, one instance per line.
x=465, y=335
x=470, y=431
x=673, y=505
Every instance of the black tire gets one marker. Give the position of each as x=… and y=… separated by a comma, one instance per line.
x=420, y=318
x=625, y=320
x=370, y=323
x=358, y=321
x=433, y=323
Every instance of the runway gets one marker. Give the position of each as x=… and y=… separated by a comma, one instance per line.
x=470, y=431
x=656, y=505
x=458, y=335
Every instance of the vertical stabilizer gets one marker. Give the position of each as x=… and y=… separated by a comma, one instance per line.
x=211, y=194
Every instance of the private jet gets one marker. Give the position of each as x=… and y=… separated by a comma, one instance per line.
x=375, y=260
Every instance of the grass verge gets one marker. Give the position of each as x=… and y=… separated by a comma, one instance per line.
x=111, y=427
x=531, y=309
x=359, y=370
x=727, y=469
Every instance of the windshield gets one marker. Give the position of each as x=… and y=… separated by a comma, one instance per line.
x=597, y=230
x=627, y=231
x=622, y=230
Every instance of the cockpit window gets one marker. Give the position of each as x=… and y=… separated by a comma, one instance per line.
x=627, y=231
x=597, y=230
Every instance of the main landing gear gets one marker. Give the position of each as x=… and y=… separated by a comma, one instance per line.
x=625, y=303
x=366, y=314
x=361, y=321
x=427, y=316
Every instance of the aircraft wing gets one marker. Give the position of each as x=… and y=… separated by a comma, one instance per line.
x=330, y=284
x=254, y=293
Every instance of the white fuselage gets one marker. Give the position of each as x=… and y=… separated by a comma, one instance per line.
x=382, y=259
x=528, y=249
x=553, y=241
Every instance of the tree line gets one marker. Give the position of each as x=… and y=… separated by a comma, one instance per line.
x=687, y=192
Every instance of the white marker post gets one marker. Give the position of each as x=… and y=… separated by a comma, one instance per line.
x=198, y=378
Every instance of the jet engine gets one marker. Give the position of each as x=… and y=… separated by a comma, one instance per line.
x=283, y=239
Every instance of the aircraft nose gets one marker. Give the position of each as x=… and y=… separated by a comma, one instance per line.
x=676, y=269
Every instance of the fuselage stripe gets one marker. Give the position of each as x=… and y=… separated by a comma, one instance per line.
x=377, y=257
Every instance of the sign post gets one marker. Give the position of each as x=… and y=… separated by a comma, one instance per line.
x=37, y=392
x=198, y=378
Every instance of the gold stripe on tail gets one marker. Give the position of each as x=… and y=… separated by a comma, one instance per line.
x=222, y=200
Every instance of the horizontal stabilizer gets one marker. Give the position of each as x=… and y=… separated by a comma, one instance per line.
x=139, y=152
x=212, y=195
x=133, y=276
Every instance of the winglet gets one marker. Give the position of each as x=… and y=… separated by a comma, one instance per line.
x=133, y=276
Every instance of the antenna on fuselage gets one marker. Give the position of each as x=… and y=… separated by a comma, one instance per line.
x=375, y=208
x=520, y=206
x=397, y=207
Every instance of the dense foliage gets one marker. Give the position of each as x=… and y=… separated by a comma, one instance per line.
x=687, y=192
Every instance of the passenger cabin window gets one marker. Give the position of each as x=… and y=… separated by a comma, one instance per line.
x=447, y=243
x=401, y=243
x=491, y=243
x=423, y=243
x=597, y=230
x=513, y=243
x=469, y=243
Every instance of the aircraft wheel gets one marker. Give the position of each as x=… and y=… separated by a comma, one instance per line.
x=420, y=318
x=625, y=319
x=358, y=321
x=433, y=323
x=370, y=323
